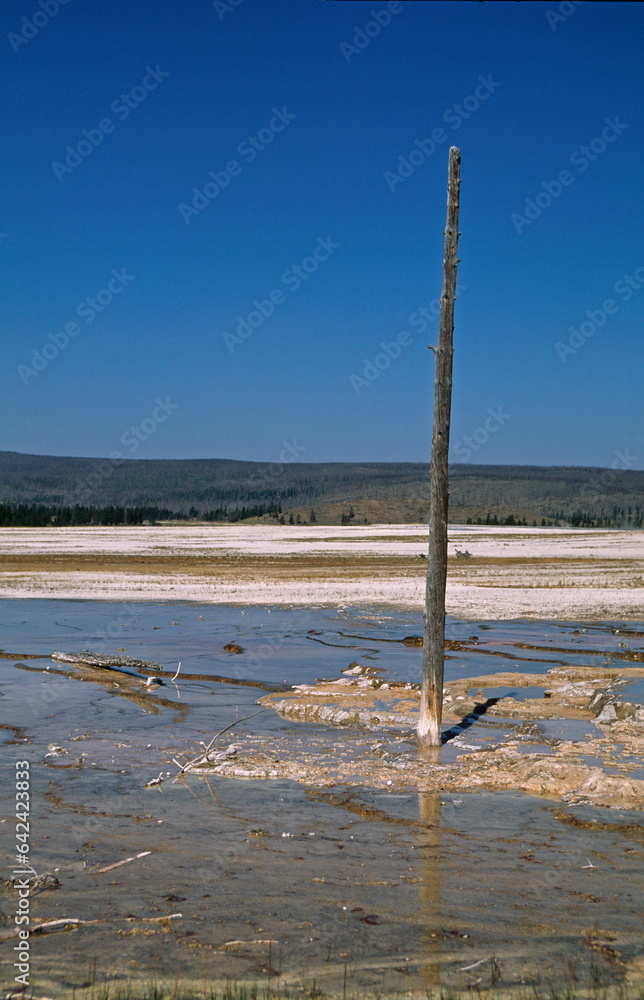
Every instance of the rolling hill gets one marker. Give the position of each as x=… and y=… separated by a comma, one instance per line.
x=375, y=491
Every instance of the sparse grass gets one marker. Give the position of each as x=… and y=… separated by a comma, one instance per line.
x=536, y=989
x=155, y=992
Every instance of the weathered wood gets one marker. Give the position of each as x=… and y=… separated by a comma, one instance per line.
x=431, y=698
x=99, y=660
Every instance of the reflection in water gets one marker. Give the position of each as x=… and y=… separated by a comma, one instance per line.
x=429, y=899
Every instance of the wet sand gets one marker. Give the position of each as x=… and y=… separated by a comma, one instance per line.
x=538, y=573
x=368, y=864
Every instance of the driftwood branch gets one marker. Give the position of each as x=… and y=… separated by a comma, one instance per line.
x=203, y=757
x=126, y=861
x=46, y=926
x=73, y=923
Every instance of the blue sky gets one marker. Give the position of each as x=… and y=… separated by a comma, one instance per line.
x=170, y=167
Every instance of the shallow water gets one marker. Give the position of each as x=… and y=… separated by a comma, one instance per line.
x=518, y=693
x=634, y=691
x=398, y=891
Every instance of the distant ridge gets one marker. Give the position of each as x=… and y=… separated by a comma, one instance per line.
x=390, y=491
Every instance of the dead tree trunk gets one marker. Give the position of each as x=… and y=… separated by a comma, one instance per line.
x=431, y=697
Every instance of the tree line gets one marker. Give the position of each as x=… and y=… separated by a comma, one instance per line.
x=620, y=517
x=239, y=513
x=38, y=515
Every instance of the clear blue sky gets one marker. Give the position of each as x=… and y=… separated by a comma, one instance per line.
x=163, y=95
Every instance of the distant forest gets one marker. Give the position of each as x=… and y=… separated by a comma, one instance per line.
x=41, y=516
x=67, y=491
x=38, y=515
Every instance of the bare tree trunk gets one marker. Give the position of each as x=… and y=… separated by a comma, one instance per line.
x=431, y=697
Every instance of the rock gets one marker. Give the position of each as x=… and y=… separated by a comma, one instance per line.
x=232, y=647
x=607, y=716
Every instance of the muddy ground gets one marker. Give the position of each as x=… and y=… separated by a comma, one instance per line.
x=319, y=849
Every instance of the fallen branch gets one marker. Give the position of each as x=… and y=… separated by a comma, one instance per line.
x=52, y=925
x=245, y=944
x=73, y=923
x=98, y=660
x=155, y=781
x=126, y=861
x=221, y=733
x=49, y=925
x=466, y=968
x=203, y=757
